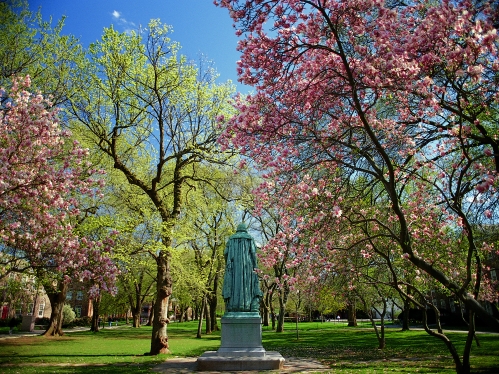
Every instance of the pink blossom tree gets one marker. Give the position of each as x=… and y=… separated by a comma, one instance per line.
x=43, y=176
x=381, y=101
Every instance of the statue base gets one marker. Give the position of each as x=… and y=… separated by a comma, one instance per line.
x=241, y=347
x=241, y=335
x=212, y=361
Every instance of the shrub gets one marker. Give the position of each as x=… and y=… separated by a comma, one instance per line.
x=68, y=315
x=42, y=321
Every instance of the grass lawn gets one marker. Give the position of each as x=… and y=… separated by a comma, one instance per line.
x=344, y=350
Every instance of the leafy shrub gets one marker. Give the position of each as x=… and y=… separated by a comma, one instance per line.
x=68, y=315
x=81, y=322
x=5, y=322
x=42, y=321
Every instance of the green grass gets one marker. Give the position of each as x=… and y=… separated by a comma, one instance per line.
x=345, y=350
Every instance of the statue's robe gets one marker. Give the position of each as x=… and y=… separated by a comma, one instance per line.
x=241, y=288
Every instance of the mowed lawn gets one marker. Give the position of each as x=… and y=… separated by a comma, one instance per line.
x=345, y=350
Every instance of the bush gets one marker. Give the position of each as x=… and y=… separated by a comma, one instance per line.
x=5, y=322
x=68, y=315
x=42, y=321
x=81, y=322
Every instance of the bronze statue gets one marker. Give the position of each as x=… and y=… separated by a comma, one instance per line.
x=241, y=289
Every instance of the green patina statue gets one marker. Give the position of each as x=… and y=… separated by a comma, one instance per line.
x=241, y=290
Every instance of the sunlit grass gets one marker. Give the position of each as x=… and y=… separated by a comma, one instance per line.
x=343, y=349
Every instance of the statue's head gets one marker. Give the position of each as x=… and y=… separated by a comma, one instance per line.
x=242, y=228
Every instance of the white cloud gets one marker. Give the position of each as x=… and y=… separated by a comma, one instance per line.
x=127, y=25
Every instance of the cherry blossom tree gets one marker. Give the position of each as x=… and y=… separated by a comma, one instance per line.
x=42, y=177
x=387, y=101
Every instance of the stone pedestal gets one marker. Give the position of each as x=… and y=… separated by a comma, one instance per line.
x=28, y=323
x=241, y=335
x=241, y=347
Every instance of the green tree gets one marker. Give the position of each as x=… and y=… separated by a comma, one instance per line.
x=31, y=46
x=137, y=101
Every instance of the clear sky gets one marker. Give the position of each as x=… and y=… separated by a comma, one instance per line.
x=200, y=27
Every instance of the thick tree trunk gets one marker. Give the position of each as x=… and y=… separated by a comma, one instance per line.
x=283, y=298
x=136, y=309
x=183, y=312
x=265, y=309
x=272, y=316
x=407, y=307
x=57, y=298
x=352, y=313
x=212, y=307
x=136, y=320
x=159, y=339
x=95, y=316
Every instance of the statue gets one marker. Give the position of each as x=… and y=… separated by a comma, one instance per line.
x=241, y=288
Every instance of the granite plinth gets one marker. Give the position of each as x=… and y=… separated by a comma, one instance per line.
x=241, y=335
x=213, y=361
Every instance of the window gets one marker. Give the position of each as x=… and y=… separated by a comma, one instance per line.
x=78, y=311
x=30, y=309
x=69, y=295
x=442, y=304
x=493, y=275
x=41, y=308
x=79, y=295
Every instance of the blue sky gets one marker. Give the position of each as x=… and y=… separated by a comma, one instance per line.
x=200, y=27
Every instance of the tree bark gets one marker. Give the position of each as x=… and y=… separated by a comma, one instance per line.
x=57, y=298
x=407, y=307
x=283, y=299
x=200, y=322
x=460, y=369
x=352, y=314
x=95, y=316
x=159, y=339
x=151, y=314
x=207, y=314
x=469, y=341
x=214, y=298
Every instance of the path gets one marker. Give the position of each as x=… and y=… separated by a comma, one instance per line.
x=291, y=365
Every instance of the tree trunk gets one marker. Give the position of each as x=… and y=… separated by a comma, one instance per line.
x=460, y=369
x=212, y=307
x=200, y=322
x=95, y=316
x=136, y=320
x=151, y=314
x=57, y=298
x=265, y=309
x=214, y=299
x=183, y=312
x=159, y=339
x=352, y=313
x=136, y=311
x=272, y=316
x=283, y=298
x=407, y=307
x=207, y=314
x=469, y=341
